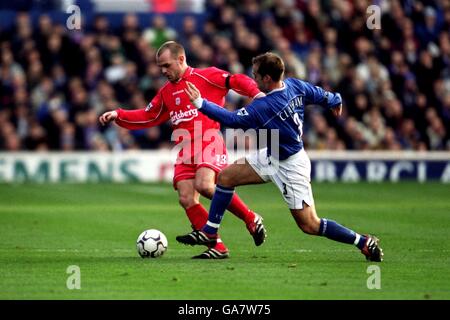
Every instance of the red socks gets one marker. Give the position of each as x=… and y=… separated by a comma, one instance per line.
x=240, y=209
x=198, y=216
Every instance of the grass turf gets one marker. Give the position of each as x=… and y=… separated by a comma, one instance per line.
x=44, y=229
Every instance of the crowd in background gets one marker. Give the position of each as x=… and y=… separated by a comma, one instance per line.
x=394, y=80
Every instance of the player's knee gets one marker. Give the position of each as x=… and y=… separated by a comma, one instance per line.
x=205, y=188
x=186, y=201
x=309, y=225
x=308, y=229
x=225, y=180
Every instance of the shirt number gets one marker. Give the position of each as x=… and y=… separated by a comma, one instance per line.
x=299, y=124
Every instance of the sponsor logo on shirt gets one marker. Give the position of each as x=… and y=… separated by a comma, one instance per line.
x=180, y=116
x=242, y=112
x=148, y=107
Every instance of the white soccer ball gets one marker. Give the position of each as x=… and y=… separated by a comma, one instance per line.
x=151, y=244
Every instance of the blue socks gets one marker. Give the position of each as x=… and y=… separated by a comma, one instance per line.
x=328, y=228
x=220, y=201
x=334, y=231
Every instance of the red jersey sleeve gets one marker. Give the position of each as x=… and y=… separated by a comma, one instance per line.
x=153, y=115
x=240, y=83
x=244, y=85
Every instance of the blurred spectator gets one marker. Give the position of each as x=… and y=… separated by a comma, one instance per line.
x=395, y=81
x=159, y=32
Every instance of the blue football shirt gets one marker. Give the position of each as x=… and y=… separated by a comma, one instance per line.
x=281, y=109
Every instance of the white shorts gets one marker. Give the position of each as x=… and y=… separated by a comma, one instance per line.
x=292, y=176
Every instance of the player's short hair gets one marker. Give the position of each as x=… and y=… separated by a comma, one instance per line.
x=269, y=64
x=175, y=49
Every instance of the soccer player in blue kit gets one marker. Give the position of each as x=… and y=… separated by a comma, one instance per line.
x=289, y=167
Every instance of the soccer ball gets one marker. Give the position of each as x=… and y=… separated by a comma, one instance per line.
x=151, y=244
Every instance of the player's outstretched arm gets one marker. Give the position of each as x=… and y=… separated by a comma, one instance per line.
x=240, y=83
x=245, y=86
x=319, y=96
x=240, y=119
x=151, y=116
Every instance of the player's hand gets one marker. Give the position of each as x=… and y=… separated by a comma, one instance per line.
x=192, y=91
x=107, y=117
x=194, y=95
x=337, y=111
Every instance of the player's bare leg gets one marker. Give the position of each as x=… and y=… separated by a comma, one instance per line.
x=205, y=181
x=198, y=216
x=308, y=221
x=187, y=195
x=205, y=184
x=239, y=173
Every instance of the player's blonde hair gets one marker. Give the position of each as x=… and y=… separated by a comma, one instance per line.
x=174, y=47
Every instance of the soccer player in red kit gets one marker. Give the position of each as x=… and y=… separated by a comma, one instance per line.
x=197, y=163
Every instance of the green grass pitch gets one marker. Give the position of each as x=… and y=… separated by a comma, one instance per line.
x=44, y=229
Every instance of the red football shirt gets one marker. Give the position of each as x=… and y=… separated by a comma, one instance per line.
x=171, y=101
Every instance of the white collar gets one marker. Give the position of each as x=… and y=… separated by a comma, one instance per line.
x=277, y=89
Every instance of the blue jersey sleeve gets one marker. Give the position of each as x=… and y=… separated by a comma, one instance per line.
x=317, y=95
x=242, y=118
